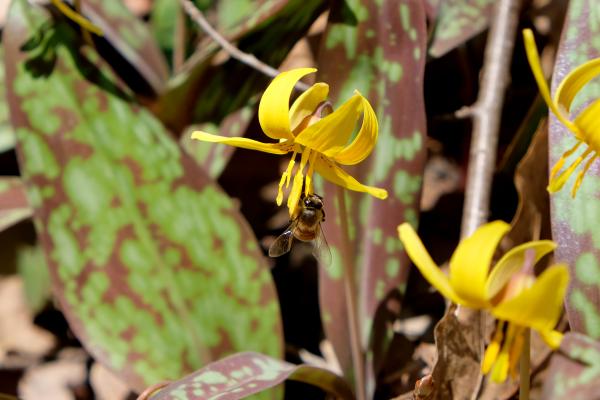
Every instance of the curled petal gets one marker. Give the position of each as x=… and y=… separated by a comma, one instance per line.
x=574, y=81
x=274, y=107
x=273, y=148
x=331, y=134
x=513, y=261
x=77, y=18
x=419, y=255
x=538, y=307
x=536, y=68
x=552, y=338
x=365, y=140
x=335, y=174
x=588, y=122
x=470, y=263
x=307, y=103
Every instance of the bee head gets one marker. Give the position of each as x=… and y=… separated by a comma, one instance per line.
x=313, y=201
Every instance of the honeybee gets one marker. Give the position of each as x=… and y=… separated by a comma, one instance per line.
x=306, y=227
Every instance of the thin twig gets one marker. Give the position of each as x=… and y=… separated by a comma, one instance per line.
x=486, y=114
x=358, y=358
x=198, y=17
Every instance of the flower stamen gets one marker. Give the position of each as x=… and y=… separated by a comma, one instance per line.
x=557, y=183
x=581, y=175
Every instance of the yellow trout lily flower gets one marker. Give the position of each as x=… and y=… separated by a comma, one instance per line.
x=306, y=128
x=585, y=127
x=523, y=302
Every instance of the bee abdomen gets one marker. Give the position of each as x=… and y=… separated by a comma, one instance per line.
x=304, y=233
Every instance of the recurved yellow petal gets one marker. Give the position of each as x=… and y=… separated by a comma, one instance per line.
x=588, y=122
x=536, y=68
x=274, y=107
x=540, y=306
x=552, y=338
x=513, y=261
x=273, y=148
x=574, y=81
x=365, y=140
x=307, y=102
x=77, y=18
x=419, y=255
x=470, y=263
x=331, y=134
x=335, y=174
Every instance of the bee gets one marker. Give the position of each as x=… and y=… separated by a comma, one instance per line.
x=306, y=227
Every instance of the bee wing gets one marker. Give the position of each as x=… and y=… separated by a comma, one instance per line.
x=283, y=243
x=321, y=249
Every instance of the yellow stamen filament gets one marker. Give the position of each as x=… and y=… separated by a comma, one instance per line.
x=557, y=183
x=285, y=178
x=515, y=350
x=501, y=366
x=308, y=189
x=296, y=191
x=581, y=175
x=491, y=353
x=559, y=164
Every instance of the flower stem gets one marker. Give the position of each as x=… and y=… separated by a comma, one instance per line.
x=524, y=367
x=351, y=297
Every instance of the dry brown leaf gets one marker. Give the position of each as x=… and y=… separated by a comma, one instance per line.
x=440, y=177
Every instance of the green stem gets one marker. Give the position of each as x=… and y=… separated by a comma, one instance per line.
x=525, y=366
x=351, y=297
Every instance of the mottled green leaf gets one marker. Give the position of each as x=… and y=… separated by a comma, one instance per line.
x=458, y=21
x=241, y=375
x=153, y=266
x=574, y=371
x=214, y=158
x=14, y=206
x=131, y=38
x=7, y=136
x=203, y=92
x=575, y=225
x=383, y=56
x=33, y=269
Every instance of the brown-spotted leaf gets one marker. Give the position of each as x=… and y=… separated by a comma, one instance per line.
x=14, y=206
x=383, y=57
x=131, y=38
x=7, y=136
x=458, y=21
x=574, y=371
x=241, y=375
x=574, y=221
x=153, y=265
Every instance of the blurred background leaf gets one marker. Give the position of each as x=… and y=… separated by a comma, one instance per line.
x=154, y=267
x=457, y=21
x=574, y=371
x=243, y=374
x=14, y=206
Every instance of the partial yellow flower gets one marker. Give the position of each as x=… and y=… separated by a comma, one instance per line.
x=310, y=129
x=506, y=292
x=76, y=17
x=585, y=127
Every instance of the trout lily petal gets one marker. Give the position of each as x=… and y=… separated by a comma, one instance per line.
x=310, y=128
x=585, y=127
x=509, y=292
